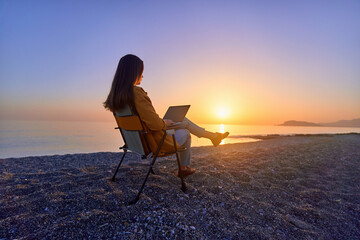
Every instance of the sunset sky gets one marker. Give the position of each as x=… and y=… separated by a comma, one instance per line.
x=240, y=62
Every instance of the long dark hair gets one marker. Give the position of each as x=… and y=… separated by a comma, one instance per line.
x=129, y=70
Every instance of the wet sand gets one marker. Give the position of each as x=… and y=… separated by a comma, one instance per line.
x=301, y=187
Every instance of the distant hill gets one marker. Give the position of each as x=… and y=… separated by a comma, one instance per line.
x=299, y=123
x=341, y=123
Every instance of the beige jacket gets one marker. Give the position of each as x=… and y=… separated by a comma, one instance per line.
x=152, y=122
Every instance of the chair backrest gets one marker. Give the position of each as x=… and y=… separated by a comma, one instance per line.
x=131, y=130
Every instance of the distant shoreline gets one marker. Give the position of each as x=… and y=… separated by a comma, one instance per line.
x=354, y=123
x=271, y=136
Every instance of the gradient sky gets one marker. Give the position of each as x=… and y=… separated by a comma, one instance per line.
x=258, y=62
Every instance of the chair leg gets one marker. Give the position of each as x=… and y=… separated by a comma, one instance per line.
x=123, y=156
x=150, y=169
x=183, y=185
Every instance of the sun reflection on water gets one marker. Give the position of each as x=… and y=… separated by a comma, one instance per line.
x=222, y=130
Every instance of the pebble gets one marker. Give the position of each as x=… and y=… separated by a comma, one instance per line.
x=297, y=222
x=261, y=212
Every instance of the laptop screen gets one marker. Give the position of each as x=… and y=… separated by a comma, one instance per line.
x=176, y=113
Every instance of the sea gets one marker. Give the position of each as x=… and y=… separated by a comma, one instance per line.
x=39, y=138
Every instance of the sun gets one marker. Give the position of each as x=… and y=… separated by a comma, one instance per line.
x=222, y=112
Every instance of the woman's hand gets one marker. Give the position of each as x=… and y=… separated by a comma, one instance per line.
x=168, y=122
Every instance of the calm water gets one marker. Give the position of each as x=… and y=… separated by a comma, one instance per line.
x=35, y=138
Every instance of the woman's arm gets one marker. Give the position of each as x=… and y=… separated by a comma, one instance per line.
x=146, y=111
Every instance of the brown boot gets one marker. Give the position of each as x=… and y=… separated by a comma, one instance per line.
x=186, y=172
x=220, y=136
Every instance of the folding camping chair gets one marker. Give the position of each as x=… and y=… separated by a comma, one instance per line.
x=134, y=136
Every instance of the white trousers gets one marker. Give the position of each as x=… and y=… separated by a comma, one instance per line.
x=183, y=138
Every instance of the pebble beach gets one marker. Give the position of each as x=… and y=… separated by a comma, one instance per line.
x=294, y=187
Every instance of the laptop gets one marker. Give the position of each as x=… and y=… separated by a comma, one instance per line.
x=176, y=113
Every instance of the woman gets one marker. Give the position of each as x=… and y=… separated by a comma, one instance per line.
x=125, y=91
